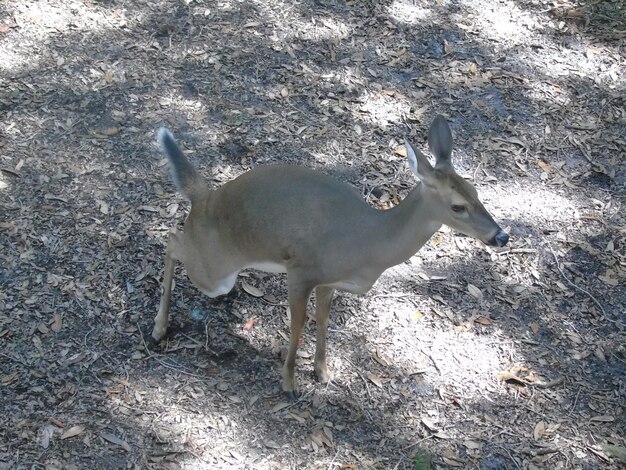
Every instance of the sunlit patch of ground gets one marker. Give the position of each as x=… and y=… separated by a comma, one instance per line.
x=483, y=357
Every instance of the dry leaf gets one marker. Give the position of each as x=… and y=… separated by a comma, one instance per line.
x=378, y=357
x=271, y=444
x=453, y=462
x=52, y=197
x=475, y=292
x=472, y=445
x=430, y=425
x=544, y=166
x=7, y=379
x=506, y=376
x=328, y=433
x=115, y=440
x=73, y=431
x=297, y=417
x=270, y=299
x=57, y=423
x=75, y=358
x=483, y=321
x=280, y=406
x=599, y=353
x=511, y=140
x=253, y=291
x=609, y=280
x=138, y=355
x=108, y=132
x=539, y=431
x=534, y=328
x=320, y=438
x=46, y=433
x=574, y=13
x=375, y=380
x=400, y=151
x=249, y=324
x=236, y=455
x=603, y=419
x=57, y=323
x=103, y=206
x=316, y=442
x=148, y=209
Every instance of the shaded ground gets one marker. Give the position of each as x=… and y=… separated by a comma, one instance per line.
x=526, y=369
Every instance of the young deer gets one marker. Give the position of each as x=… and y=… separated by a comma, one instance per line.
x=319, y=231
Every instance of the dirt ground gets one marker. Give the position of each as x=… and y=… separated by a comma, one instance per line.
x=463, y=357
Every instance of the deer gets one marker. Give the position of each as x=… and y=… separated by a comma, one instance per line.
x=319, y=231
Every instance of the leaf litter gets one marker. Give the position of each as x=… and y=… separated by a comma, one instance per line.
x=520, y=352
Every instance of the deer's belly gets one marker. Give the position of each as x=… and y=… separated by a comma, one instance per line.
x=268, y=267
x=354, y=286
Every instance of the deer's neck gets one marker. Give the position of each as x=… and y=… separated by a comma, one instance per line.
x=407, y=227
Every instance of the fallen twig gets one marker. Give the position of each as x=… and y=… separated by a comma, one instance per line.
x=580, y=289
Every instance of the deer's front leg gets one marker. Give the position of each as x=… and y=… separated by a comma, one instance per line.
x=298, y=300
x=323, y=301
x=161, y=321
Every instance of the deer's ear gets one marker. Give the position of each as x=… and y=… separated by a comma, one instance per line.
x=418, y=162
x=440, y=142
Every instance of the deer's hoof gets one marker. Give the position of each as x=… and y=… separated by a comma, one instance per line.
x=158, y=333
x=322, y=374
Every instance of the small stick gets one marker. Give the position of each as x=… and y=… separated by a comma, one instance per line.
x=517, y=250
x=16, y=359
x=165, y=364
x=417, y=442
x=510, y=456
x=330, y=465
x=580, y=289
x=391, y=295
x=367, y=387
x=144, y=342
x=11, y=172
x=299, y=400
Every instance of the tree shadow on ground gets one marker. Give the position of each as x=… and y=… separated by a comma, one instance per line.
x=87, y=209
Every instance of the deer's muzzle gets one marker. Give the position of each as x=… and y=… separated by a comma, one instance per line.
x=500, y=239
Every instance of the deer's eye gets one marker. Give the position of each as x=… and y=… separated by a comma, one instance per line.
x=458, y=209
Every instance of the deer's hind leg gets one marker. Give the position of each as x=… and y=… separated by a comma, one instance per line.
x=323, y=301
x=173, y=253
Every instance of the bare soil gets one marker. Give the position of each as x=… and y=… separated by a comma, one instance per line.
x=463, y=357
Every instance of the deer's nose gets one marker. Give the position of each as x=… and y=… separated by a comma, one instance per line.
x=500, y=239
